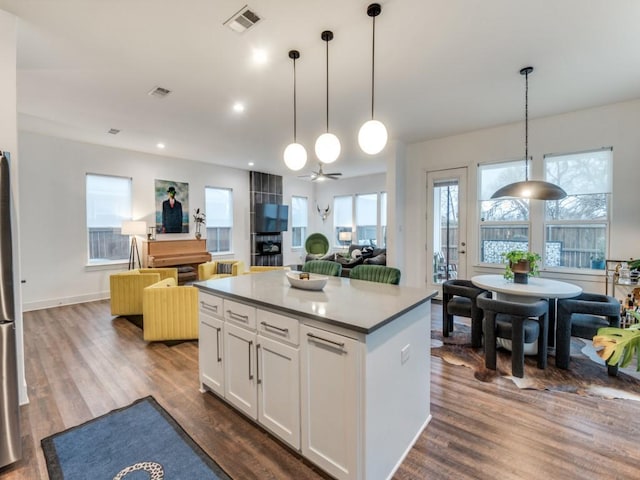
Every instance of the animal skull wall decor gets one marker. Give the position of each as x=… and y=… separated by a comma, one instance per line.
x=324, y=213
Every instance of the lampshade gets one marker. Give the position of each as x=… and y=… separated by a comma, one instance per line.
x=373, y=136
x=327, y=148
x=327, y=145
x=133, y=228
x=295, y=155
x=534, y=189
x=344, y=236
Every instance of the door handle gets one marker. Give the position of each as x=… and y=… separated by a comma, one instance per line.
x=250, y=372
x=218, y=344
x=258, y=379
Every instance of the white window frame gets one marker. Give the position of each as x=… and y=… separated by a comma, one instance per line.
x=299, y=223
x=214, y=225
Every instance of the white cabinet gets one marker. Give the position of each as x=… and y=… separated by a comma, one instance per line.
x=330, y=367
x=210, y=343
x=240, y=369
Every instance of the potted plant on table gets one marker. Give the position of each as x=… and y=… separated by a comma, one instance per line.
x=521, y=265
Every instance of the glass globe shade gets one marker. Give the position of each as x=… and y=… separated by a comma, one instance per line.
x=327, y=148
x=372, y=137
x=295, y=156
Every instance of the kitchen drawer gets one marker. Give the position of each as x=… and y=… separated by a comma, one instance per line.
x=210, y=304
x=278, y=327
x=240, y=314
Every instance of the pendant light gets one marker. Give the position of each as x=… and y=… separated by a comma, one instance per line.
x=535, y=189
x=295, y=155
x=327, y=144
x=372, y=136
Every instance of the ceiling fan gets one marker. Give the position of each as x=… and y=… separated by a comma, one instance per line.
x=320, y=175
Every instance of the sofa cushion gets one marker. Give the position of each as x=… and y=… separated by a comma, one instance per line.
x=377, y=260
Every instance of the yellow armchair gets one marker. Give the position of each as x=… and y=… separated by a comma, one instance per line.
x=220, y=269
x=170, y=311
x=126, y=288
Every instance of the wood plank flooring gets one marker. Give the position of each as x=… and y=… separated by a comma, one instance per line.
x=81, y=362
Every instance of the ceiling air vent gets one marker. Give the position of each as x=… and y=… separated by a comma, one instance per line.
x=242, y=20
x=159, y=92
x=113, y=131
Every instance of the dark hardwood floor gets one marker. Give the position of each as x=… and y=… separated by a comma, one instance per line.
x=81, y=362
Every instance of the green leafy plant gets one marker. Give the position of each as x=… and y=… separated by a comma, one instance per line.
x=515, y=256
x=618, y=345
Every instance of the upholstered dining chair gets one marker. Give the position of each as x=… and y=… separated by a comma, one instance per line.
x=376, y=273
x=582, y=316
x=324, y=267
x=519, y=322
x=459, y=299
x=220, y=269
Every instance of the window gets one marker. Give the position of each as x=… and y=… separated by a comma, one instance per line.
x=108, y=205
x=504, y=222
x=578, y=224
x=342, y=219
x=219, y=210
x=370, y=213
x=366, y=219
x=299, y=221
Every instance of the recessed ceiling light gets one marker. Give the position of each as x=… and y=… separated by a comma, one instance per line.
x=260, y=56
x=251, y=164
x=238, y=107
x=160, y=145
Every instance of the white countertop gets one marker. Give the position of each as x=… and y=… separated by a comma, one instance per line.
x=354, y=304
x=537, y=287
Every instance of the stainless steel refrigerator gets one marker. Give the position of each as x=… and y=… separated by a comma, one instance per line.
x=10, y=440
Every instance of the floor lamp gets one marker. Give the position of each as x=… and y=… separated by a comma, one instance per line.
x=132, y=229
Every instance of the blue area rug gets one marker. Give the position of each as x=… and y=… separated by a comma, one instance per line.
x=140, y=441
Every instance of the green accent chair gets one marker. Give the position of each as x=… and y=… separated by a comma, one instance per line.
x=323, y=267
x=376, y=273
x=316, y=244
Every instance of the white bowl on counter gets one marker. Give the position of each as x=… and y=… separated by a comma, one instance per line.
x=314, y=282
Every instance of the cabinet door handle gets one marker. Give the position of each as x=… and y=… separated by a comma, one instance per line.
x=250, y=372
x=273, y=327
x=218, y=343
x=237, y=316
x=258, y=379
x=315, y=337
x=206, y=306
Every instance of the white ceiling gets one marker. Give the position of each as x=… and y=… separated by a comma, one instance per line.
x=442, y=67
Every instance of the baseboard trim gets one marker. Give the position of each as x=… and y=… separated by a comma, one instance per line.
x=59, y=302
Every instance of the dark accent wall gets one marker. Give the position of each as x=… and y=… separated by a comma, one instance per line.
x=264, y=188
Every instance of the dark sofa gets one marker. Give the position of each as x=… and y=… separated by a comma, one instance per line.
x=368, y=255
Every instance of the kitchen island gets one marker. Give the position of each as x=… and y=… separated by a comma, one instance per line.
x=341, y=374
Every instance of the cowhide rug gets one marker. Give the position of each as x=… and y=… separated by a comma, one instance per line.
x=587, y=374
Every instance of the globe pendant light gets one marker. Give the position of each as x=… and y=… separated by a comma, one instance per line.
x=373, y=136
x=535, y=189
x=295, y=155
x=327, y=144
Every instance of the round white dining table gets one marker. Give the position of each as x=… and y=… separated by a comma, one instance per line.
x=527, y=293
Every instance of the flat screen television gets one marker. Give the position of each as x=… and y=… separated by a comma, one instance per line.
x=271, y=218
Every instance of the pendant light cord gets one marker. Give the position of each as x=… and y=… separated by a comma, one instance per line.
x=295, y=109
x=373, y=63
x=526, y=126
x=327, y=100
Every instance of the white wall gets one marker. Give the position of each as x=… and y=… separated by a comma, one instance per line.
x=612, y=125
x=53, y=214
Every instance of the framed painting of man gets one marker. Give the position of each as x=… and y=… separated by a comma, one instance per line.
x=172, y=206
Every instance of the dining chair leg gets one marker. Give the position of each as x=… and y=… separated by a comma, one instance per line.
x=563, y=339
x=517, y=347
x=542, y=341
x=490, y=340
x=476, y=331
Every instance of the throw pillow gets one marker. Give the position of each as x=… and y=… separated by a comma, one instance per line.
x=225, y=268
x=356, y=253
x=367, y=252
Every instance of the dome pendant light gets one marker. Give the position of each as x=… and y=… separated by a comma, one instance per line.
x=327, y=144
x=372, y=136
x=295, y=155
x=535, y=189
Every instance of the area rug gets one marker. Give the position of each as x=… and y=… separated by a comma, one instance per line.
x=140, y=441
x=587, y=374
